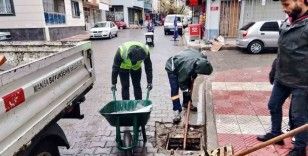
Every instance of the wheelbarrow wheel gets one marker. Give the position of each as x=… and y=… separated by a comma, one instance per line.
x=128, y=141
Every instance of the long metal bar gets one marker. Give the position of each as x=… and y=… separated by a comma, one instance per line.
x=186, y=121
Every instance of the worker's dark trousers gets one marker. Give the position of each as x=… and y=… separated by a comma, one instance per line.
x=174, y=85
x=299, y=109
x=136, y=78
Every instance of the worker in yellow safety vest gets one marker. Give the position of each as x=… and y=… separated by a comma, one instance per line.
x=128, y=61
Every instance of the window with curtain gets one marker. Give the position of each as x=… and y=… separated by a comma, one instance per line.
x=54, y=11
x=6, y=7
x=75, y=9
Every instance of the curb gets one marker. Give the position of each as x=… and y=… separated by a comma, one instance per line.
x=79, y=37
x=211, y=130
x=225, y=47
x=208, y=46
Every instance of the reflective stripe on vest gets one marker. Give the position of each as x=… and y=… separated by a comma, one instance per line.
x=127, y=64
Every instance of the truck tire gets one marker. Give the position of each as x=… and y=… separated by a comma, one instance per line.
x=46, y=148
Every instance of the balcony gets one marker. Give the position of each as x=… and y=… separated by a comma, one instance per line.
x=54, y=18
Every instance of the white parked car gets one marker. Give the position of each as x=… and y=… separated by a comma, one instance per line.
x=255, y=36
x=5, y=36
x=106, y=29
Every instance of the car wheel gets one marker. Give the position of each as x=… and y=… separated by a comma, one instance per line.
x=166, y=33
x=116, y=35
x=255, y=47
x=110, y=36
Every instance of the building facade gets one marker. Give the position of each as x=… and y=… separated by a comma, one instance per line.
x=104, y=6
x=129, y=11
x=227, y=16
x=92, y=13
x=41, y=19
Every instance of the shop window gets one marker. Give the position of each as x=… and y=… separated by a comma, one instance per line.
x=7, y=8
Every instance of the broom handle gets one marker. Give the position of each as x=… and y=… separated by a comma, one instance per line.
x=274, y=140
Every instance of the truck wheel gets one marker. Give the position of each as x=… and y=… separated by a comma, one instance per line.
x=46, y=148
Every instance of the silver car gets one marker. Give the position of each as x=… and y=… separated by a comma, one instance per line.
x=4, y=36
x=255, y=36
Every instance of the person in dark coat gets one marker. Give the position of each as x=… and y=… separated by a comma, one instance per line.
x=127, y=63
x=291, y=75
x=182, y=69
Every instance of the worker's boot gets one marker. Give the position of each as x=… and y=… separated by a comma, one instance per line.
x=176, y=117
x=297, y=152
x=269, y=136
x=286, y=131
x=192, y=107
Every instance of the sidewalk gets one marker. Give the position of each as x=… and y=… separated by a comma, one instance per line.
x=80, y=37
x=239, y=99
x=230, y=43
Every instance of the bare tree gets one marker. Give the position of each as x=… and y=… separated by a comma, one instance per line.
x=171, y=7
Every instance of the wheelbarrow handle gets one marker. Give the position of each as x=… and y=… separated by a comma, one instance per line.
x=114, y=96
x=147, y=97
x=148, y=94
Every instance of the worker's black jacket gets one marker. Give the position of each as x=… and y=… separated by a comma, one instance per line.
x=186, y=65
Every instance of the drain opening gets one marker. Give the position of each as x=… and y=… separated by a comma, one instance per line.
x=192, y=144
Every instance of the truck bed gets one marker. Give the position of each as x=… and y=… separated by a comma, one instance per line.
x=20, y=53
x=41, y=80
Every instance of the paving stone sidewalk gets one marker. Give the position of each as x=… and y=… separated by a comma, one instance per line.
x=239, y=98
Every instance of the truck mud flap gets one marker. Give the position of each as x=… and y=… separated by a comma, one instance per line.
x=73, y=111
x=53, y=132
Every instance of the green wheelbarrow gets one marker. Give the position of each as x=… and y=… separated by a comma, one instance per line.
x=128, y=113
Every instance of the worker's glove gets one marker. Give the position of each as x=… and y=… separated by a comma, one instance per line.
x=114, y=88
x=187, y=93
x=150, y=86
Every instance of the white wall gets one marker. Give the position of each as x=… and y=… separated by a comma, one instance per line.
x=70, y=20
x=128, y=3
x=155, y=5
x=28, y=14
x=106, y=2
x=138, y=3
x=212, y=19
x=253, y=10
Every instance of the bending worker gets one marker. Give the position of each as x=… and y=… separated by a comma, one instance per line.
x=127, y=61
x=182, y=69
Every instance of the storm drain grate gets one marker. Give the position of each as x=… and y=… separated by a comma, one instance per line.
x=193, y=144
x=170, y=137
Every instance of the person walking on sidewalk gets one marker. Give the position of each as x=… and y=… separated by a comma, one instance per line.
x=291, y=76
x=127, y=61
x=182, y=69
